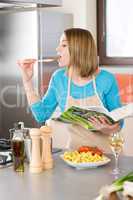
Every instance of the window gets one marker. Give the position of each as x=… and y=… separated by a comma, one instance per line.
x=115, y=31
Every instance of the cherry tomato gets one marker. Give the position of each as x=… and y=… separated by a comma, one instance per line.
x=94, y=150
x=84, y=149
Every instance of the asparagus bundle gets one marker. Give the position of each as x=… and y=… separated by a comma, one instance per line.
x=81, y=116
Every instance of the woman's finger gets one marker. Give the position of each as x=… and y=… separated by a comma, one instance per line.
x=104, y=120
x=26, y=62
x=96, y=119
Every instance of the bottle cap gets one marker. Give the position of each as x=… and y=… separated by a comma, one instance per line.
x=17, y=126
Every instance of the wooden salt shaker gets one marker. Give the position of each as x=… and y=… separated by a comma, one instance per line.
x=36, y=161
x=47, y=160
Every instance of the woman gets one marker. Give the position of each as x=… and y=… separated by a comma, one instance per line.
x=78, y=82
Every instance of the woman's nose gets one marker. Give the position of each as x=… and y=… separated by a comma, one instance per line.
x=57, y=48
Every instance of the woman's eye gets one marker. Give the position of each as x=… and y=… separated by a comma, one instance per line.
x=64, y=45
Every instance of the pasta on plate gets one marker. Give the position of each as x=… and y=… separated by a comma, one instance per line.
x=82, y=160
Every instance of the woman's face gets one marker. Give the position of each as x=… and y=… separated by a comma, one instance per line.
x=63, y=52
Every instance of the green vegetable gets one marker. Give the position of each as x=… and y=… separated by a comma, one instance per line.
x=71, y=115
x=120, y=181
x=116, y=186
x=80, y=116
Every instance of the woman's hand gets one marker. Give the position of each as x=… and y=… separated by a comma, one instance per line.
x=26, y=66
x=103, y=125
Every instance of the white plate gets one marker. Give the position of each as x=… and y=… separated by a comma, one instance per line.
x=87, y=165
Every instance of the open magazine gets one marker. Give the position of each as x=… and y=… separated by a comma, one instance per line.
x=81, y=116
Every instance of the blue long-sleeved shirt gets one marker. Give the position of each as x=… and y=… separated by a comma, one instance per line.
x=56, y=94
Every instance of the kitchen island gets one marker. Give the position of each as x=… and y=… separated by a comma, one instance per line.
x=60, y=183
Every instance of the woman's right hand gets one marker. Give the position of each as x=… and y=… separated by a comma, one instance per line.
x=26, y=66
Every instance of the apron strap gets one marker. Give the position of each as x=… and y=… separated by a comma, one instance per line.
x=95, y=88
x=95, y=91
x=69, y=88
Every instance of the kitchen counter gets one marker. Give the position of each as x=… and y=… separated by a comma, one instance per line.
x=60, y=183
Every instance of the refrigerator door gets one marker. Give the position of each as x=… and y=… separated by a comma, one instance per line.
x=18, y=40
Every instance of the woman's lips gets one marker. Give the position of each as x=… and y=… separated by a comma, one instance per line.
x=59, y=58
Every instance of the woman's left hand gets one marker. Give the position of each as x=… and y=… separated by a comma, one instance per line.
x=103, y=125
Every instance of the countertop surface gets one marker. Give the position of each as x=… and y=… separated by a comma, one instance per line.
x=60, y=183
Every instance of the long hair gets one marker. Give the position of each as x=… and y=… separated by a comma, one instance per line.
x=83, y=52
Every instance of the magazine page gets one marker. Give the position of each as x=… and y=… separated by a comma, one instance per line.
x=122, y=112
x=97, y=109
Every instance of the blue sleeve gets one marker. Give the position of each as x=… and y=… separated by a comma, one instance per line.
x=112, y=97
x=43, y=109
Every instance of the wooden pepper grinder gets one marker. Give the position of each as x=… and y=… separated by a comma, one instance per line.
x=47, y=160
x=36, y=161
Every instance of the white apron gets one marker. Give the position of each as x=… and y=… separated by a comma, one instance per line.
x=73, y=136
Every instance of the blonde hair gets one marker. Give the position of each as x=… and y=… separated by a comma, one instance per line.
x=83, y=52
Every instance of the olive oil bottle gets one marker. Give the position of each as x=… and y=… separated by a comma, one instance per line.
x=17, y=144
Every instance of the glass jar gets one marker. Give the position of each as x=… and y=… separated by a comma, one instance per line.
x=17, y=144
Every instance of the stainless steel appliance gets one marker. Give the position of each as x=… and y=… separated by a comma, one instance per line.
x=28, y=3
x=38, y=2
x=23, y=35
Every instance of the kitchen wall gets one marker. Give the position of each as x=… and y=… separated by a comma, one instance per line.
x=78, y=9
x=84, y=13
